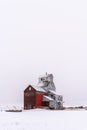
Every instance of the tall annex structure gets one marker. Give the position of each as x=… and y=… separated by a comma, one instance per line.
x=43, y=94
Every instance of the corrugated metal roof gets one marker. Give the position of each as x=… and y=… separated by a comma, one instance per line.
x=40, y=84
x=46, y=98
x=53, y=92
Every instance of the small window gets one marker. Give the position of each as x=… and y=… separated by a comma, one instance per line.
x=29, y=88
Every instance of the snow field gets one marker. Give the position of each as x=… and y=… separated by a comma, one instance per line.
x=38, y=119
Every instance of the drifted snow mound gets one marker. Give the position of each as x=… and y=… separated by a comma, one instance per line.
x=10, y=107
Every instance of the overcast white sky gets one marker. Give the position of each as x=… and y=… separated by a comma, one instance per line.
x=38, y=36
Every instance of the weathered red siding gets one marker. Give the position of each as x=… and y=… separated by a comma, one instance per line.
x=39, y=98
x=29, y=98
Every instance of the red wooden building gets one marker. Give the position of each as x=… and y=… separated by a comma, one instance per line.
x=33, y=97
x=43, y=94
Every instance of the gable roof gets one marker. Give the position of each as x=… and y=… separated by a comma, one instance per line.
x=37, y=88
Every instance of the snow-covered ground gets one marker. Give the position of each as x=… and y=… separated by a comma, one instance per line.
x=38, y=119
